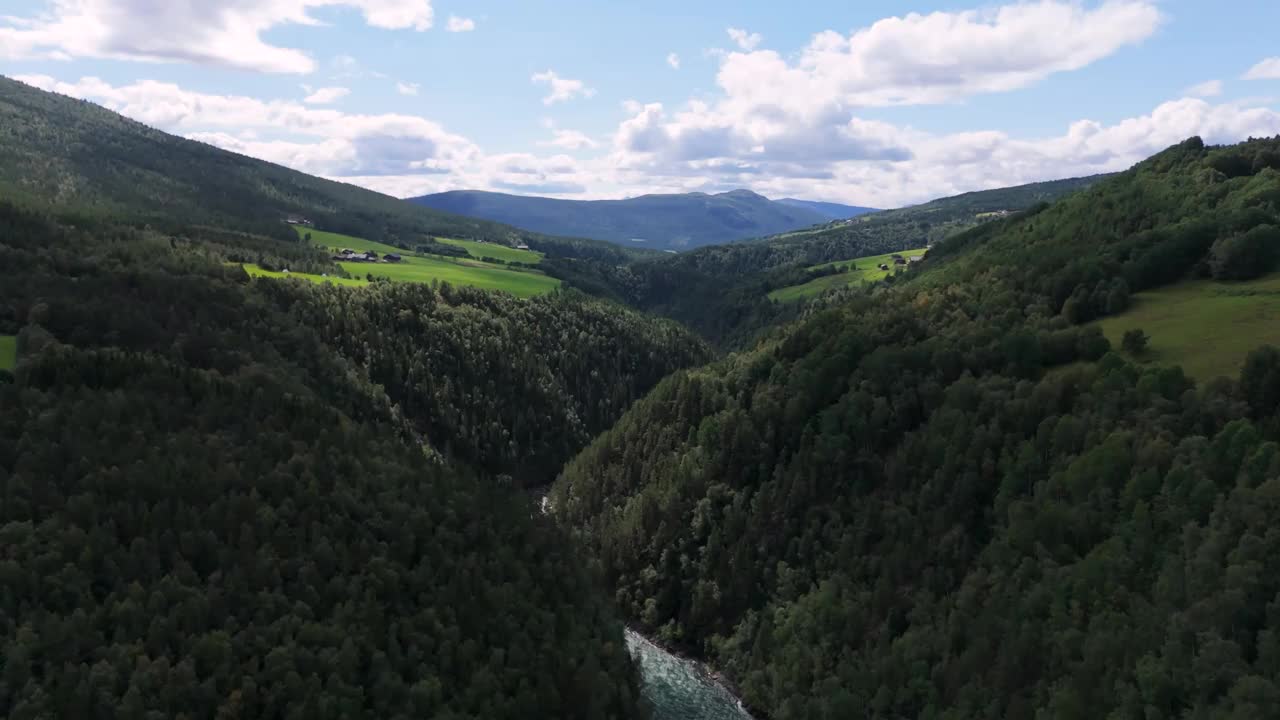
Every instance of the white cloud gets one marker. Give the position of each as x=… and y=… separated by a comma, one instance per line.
x=935, y=165
x=460, y=24
x=1210, y=88
x=794, y=119
x=674, y=61
x=745, y=40
x=214, y=32
x=562, y=89
x=831, y=155
x=325, y=95
x=407, y=88
x=940, y=57
x=570, y=140
x=1268, y=69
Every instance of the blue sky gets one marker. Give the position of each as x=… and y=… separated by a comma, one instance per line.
x=876, y=103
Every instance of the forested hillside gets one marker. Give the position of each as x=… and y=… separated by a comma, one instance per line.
x=219, y=497
x=946, y=498
x=513, y=387
x=73, y=156
x=678, y=222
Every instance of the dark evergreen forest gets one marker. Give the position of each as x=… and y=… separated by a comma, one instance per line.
x=943, y=496
x=228, y=498
x=947, y=498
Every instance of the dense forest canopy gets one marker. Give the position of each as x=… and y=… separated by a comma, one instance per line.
x=224, y=497
x=947, y=498
x=943, y=496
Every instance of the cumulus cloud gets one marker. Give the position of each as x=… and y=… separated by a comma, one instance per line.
x=939, y=57
x=407, y=88
x=570, y=140
x=460, y=24
x=1268, y=69
x=826, y=151
x=213, y=32
x=796, y=118
x=674, y=61
x=743, y=39
x=1210, y=88
x=946, y=164
x=325, y=95
x=561, y=89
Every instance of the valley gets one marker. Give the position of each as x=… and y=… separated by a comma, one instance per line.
x=276, y=446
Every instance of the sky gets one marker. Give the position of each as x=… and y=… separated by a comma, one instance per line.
x=872, y=103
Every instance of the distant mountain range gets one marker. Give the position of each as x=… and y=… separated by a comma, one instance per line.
x=833, y=211
x=668, y=222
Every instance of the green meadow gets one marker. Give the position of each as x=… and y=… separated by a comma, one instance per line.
x=458, y=272
x=429, y=268
x=255, y=271
x=858, y=270
x=8, y=352
x=498, y=252
x=338, y=241
x=1206, y=327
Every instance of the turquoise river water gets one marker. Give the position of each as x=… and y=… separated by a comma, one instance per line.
x=681, y=689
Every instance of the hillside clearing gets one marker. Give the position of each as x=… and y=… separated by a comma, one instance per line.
x=337, y=241
x=497, y=252
x=1206, y=327
x=8, y=352
x=475, y=274
x=429, y=268
x=255, y=271
x=865, y=269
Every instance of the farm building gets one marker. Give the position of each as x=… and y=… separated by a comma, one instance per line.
x=349, y=255
x=391, y=258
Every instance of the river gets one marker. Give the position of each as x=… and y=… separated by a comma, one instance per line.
x=676, y=688
x=680, y=689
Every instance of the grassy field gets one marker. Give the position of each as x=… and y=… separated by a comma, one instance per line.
x=428, y=268
x=255, y=271
x=865, y=270
x=337, y=241
x=1206, y=327
x=459, y=272
x=498, y=252
x=8, y=352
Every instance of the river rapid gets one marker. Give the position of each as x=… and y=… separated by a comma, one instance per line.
x=676, y=688
x=680, y=689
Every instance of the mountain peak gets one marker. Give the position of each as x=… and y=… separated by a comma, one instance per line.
x=743, y=193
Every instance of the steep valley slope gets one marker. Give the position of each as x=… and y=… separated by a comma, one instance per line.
x=946, y=498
